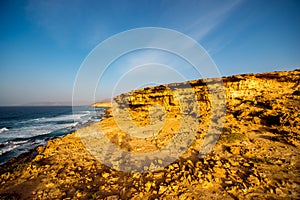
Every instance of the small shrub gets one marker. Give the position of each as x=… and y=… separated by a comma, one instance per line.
x=234, y=137
x=226, y=130
x=252, y=102
x=263, y=160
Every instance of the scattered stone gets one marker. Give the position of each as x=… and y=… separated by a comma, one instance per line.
x=246, y=164
x=235, y=150
x=278, y=191
x=206, y=184
x=162, y=189
x=105, y=175
x=148, y=186
x=220, y=172
x=254, y=180
x=228, y=182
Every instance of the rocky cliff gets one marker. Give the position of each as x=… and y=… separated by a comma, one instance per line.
x=269, y=99
x=255, y=88
x=257, y=155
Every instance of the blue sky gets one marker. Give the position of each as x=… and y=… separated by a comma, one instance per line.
x=43, y=43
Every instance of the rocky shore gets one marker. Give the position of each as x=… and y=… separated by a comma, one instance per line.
x=257, y=155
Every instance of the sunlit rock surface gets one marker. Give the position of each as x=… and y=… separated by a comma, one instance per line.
x=257, y=155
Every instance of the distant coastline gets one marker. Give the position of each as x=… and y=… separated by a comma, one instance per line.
x=102, y=104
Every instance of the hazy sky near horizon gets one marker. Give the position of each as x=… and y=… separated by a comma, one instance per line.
x=43, y=43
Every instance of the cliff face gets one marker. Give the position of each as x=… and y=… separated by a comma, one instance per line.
x=247, y=86
x=257, y=155
x=262, y=98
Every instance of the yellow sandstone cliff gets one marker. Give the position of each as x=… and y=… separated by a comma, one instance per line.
x=257, y=155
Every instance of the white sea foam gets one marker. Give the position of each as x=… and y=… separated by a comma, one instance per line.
x=20, y=142
x=70, y=118
x=35, y=129
x=18, y=138
x=3, y=129
x=8, y=148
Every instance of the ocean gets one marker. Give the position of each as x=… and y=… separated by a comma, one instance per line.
x=23, y=128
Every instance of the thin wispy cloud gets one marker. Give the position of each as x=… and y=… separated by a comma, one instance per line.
x=207, y=21
x=211, y=19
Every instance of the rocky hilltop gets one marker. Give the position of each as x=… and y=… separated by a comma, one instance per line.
x=255, y=156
